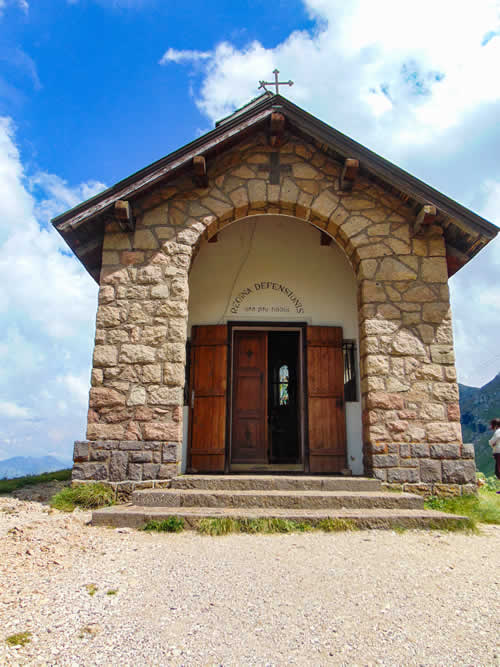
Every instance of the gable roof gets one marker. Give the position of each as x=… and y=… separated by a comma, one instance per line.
x=82, y=227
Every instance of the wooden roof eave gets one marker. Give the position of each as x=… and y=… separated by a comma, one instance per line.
x=69, y=224
x=146, y=178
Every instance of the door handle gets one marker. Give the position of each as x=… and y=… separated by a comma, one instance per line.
x=192, y=399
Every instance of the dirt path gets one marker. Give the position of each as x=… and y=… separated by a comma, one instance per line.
x=417, y=598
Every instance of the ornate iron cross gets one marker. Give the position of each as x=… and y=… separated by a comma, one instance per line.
x=276, y=83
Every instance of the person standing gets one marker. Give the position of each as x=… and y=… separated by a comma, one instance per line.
x=495, y=444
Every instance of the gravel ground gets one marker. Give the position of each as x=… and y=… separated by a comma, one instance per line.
x=362, y=598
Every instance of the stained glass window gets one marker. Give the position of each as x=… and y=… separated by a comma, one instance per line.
x=284, y=379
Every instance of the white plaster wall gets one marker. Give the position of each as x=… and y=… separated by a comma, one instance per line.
x=242, y=277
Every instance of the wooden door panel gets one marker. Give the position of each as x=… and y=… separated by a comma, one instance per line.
x=207, y=424
x=326, y=416
x=249, y=414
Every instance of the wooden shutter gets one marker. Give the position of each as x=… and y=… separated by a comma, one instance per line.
x=207, y=432
x=325, y=388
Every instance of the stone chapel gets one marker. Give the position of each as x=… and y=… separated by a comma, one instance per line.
x=273, y=297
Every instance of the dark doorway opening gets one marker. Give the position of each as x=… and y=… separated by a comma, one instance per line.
x=283, y=398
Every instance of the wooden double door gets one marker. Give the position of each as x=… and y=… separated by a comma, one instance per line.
x=262, y=397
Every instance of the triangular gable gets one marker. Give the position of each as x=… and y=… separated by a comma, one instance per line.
x=83, y=226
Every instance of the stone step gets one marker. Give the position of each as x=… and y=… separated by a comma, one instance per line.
x=132, y=516
x=275, y=483
x=275, y=499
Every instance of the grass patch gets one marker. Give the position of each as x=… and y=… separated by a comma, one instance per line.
x=468, y=526
x=10, y=485
x=86, y=496
x=112, y=591
x=19, y=639
x=225, y=526
x=172, y=524
x=91, y=589
x=483, y=508
x=336, y=525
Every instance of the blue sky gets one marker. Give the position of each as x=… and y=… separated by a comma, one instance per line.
x=93, y=90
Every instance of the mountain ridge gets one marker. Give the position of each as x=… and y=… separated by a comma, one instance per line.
x=19, y=466
x=478, y=406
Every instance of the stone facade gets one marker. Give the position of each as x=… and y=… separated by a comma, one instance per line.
x=411, y=419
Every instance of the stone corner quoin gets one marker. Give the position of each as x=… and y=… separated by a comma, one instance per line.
x=411, y=420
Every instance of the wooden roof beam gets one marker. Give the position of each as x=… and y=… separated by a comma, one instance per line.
x=425, y=216
x=123, y=215
x=200, y=178
x=276, y=129
x=349, y=173
x=455, y=259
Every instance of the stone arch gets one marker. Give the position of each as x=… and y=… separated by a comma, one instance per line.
x=204, y=228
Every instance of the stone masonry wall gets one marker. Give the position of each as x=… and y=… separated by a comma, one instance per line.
x=412, y=434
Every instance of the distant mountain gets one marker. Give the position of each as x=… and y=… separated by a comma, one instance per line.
x=18, y=466
x=478, y=406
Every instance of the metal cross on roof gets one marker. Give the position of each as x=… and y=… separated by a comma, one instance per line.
x=276, y=83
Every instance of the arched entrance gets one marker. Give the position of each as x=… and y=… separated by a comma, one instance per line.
x=273, y=330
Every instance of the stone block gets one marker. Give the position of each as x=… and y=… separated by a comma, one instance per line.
x=137, y=354
x=406, y=343
x=81, y=451
x=162, y=431
x=393, y=269
x=443, y=432
x=105, y=431
x=401, y=475
x=104, y=397
x=430, y=470
x=469, y=489
x=167, y=471
x=447, y=490
x=445, y=451
x=150, y=470
x=165, y=396
x=404, y=451
x=92, y=471
x=434, y=270
x=105, y=355
x=385, y=460
x=149, y=275
x=137, y=396
x=380, y=473
x=98, y=454
x=141, y=457
x=442, y=354
x=409, y=463
x=419, y=449
x=118, y=466
x=169, y=452
x=385, y=401
x=468, y=451
x=135, y=471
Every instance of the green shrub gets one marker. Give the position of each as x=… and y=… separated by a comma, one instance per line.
x=172, y=524
x=9, y=485
x=86, y=496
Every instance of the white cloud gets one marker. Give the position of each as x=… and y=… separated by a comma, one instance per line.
x=417, y=83
x=12, y=410
x=475, y=292
x=174, y=56
x=47, y=310
x=419, y=69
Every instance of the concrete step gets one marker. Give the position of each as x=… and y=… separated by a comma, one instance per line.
x=132, y=516
x=275, y=483
x=275, y=499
